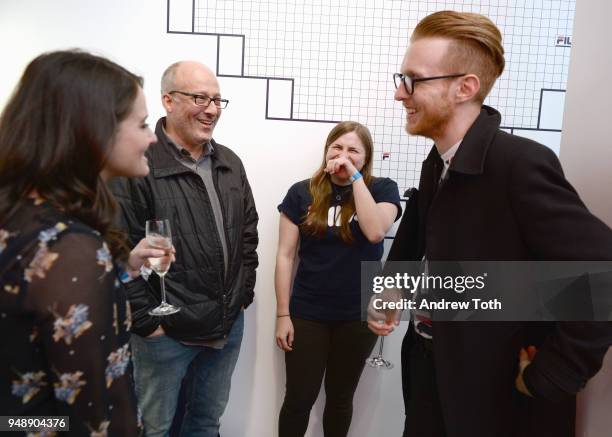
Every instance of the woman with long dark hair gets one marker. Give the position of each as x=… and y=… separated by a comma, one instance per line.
x=74, y=121
x=338, y=218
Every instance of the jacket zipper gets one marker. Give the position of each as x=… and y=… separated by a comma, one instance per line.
x=224, y=214
x=224, y=297
x=221, y=276
x=227, y=244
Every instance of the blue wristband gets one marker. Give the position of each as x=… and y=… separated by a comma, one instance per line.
x=356, y=176
x=124, y=277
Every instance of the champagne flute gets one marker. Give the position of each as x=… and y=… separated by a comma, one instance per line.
x=158, y=235
x=378, y=362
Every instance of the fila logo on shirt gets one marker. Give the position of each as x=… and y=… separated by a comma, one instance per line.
x=333, y=216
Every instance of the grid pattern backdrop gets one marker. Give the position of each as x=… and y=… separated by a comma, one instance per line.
x=342, y=54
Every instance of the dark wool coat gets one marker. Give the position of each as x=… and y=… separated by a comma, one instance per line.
x=506, y=198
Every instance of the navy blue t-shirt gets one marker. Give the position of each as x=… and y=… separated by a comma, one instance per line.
x=327, y=283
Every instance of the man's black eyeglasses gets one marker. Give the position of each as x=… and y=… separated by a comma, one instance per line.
x=201, y=100
x=409, y=82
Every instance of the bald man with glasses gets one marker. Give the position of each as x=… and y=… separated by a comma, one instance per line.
x=202, y=188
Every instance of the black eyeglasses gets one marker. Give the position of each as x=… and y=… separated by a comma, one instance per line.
x=201, y=100
x=409, y=82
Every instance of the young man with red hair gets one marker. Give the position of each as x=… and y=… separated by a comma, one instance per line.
x=488, y=195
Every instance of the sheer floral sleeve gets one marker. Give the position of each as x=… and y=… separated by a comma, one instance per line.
x=70, y=326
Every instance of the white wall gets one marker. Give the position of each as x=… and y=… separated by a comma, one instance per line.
x=586, y=144
x=586, y=154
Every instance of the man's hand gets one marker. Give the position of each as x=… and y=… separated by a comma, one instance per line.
x=382, y=327
x=525, y=358
x=382, y=322
x=157, y=333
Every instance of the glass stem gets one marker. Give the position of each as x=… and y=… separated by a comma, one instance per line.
x=380, y=348
x=163, y=290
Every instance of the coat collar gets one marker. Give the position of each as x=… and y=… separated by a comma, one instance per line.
x=163, y=161
x=472, y=152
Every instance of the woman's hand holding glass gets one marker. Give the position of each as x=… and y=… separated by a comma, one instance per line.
x=142, y=254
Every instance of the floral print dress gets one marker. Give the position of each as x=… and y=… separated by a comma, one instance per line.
x=64, y=324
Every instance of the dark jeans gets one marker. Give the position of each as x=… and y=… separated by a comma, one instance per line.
x=337, y=349
x=423, y=410
x=160, y=363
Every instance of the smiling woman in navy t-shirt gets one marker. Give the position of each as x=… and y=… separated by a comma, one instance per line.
x=339, y=217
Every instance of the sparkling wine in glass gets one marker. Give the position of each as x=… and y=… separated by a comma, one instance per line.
x=158, y=235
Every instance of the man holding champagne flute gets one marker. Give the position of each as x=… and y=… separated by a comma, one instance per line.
x=200, y=189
